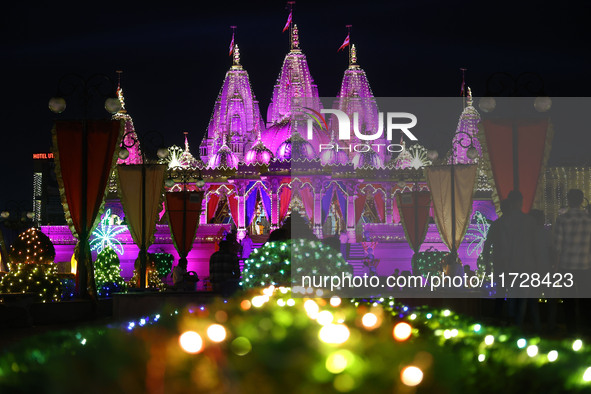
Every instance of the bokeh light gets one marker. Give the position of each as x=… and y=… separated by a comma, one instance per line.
x=402, y=331
x=191, y=342
x=334, y=334
x=216, y=332
x=411, y=376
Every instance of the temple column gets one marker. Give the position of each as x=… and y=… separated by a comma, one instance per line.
x=318, y=194
x=351, y=197
x=240, y=190
x=203, y=215
x=274, y=186
x=389, y=204
x=351, y=236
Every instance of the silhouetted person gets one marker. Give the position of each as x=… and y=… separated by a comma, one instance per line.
x=494, y=261
x=247, y=246
x=181, y=279
x=224, y=270
x=546, y=263
x=517, y=251
x=572, y=241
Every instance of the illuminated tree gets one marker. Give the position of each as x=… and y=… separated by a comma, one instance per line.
x=107, y=274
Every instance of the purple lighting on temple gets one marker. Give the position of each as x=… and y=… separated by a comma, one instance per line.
x=294, y=85
x=236, y=119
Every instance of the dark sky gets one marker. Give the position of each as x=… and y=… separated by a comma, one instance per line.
x=174, y=57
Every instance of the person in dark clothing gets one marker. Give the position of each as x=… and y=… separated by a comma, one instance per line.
x=224, y=270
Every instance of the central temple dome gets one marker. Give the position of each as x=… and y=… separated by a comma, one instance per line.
x=224, y=158
x=258, y=154
x=296, y=148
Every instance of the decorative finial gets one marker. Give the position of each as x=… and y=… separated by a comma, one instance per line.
x=186, y=141
x=236, y=56
x=295, y=40
x=353, y=56
x=120, y=91
x=469, y=100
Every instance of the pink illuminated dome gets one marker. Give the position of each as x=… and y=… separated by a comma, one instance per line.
x=296, y=148
x=258, y=154
x=335, y=155
x=224, y=158
x=369, y=159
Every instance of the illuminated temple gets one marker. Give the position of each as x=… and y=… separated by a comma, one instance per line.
x=246, y=161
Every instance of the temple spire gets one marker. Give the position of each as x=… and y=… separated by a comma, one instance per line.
x=469, y=99
x=295, y=40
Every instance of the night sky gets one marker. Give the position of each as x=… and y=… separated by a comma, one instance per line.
x=175, y=57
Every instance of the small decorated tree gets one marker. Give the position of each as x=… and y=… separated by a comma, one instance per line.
x=31, y=267
x=32, y=246
x=108, y=273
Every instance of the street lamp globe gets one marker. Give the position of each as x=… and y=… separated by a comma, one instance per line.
x=123, y=153
x=4, y=214
x=57, y=105
x=432, y=154
x=472, y=153
x=162, y=153
x=200, y=182
x=542, y=104
x=112, y=105
x=487, y=104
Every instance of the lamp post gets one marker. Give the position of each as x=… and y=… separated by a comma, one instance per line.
x=95, y=86
x=152, y=145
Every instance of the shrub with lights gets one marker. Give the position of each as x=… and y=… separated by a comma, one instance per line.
x=274, y=263
x=34, y=278
x=270, y=341
x=153, y=277
x=31, y=267
x=107, y=273
x=32, y=246
x=162, y=262
x=428, y=262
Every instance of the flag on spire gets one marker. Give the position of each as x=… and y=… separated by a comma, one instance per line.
x=288, y=22
x=345, y=43
x=232, y=42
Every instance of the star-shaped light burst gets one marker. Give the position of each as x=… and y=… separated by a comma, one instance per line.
x=105, y=235
x=479, y=233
